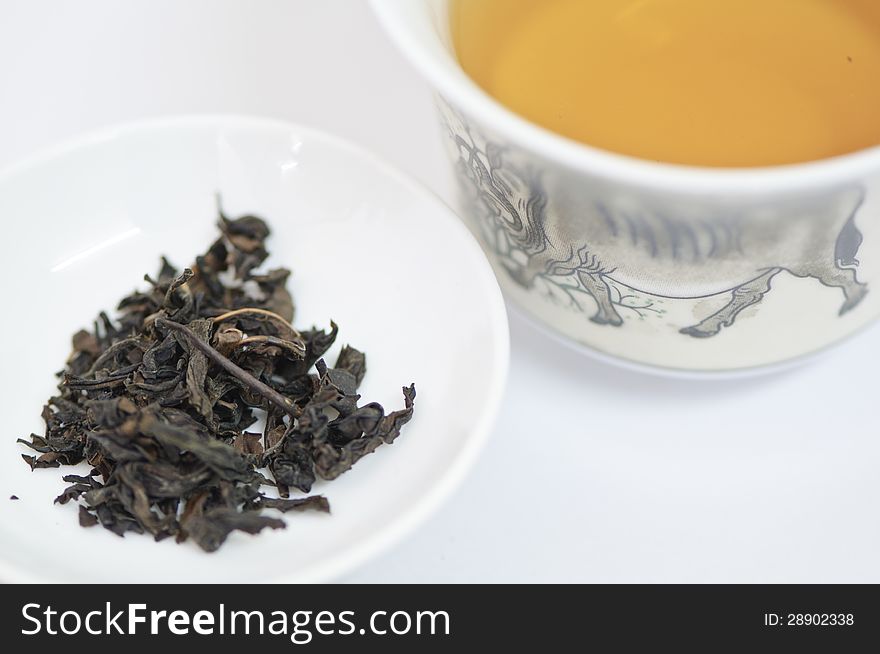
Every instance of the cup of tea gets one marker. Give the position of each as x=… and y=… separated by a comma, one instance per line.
x=669, y=183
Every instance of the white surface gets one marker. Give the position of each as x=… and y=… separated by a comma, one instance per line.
x=593, y=473
x=119, y=199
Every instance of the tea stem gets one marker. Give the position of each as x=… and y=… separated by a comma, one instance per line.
x=251, y=382
x=265, y=314
x=253, y=311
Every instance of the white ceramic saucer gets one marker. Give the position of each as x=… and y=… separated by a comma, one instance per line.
x=370, y=249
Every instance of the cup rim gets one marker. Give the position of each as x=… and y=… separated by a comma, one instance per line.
x=454, y=85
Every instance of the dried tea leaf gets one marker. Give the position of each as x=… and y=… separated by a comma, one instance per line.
x=353, y=362
x=197, y=369
x=248, y=443
x=293, y=467
x=211, y=529
x=311, y=503
x=86, y=519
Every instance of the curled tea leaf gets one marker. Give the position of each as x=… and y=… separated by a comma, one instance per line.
x=86, y=519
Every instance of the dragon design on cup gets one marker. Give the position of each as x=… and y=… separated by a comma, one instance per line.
x=628, y=258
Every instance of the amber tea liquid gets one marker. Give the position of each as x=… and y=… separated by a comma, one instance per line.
x=732, y=83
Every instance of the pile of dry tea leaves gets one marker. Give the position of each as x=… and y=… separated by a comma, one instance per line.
x=160, y=401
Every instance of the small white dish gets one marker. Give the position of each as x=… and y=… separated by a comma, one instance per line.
x=368, y=248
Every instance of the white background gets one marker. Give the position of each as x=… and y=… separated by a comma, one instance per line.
x=593, y=474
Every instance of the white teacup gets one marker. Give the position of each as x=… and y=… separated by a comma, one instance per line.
x=685, y=268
